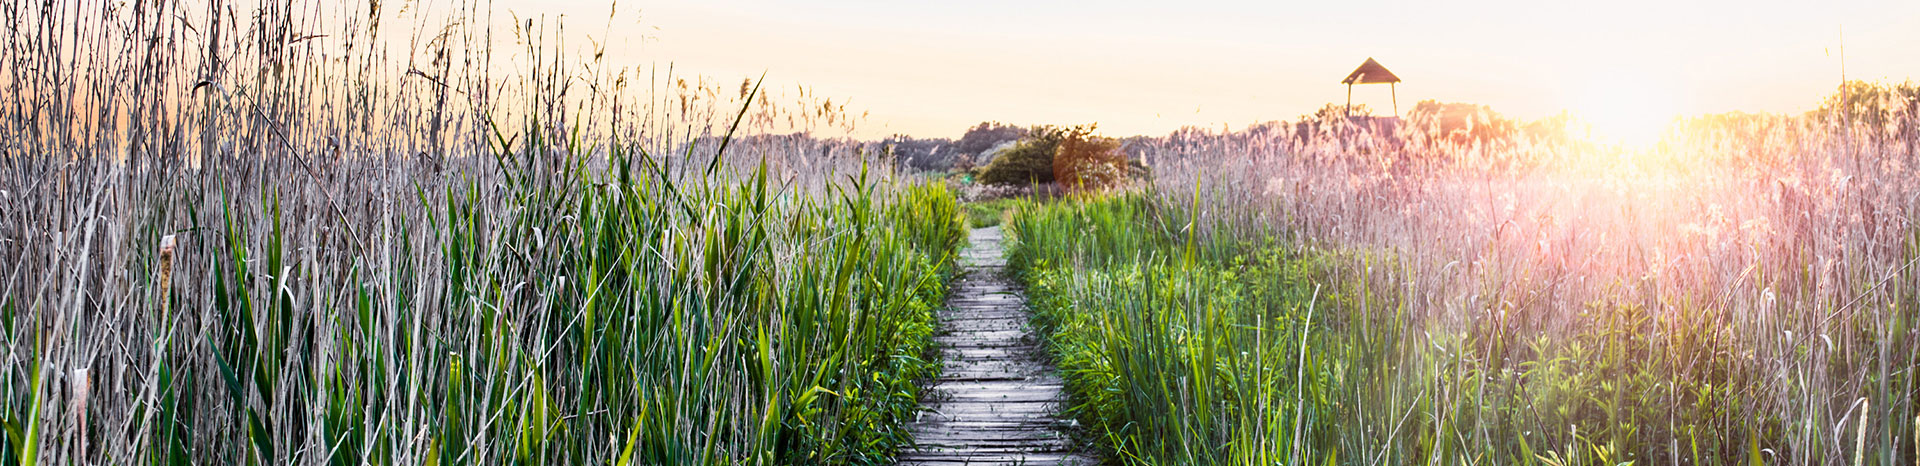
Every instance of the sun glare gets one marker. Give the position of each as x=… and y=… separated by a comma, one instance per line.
x=1629, y=112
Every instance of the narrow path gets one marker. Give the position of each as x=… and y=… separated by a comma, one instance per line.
x=997, y=402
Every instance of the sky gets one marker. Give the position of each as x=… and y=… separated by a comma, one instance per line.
x=933, y=69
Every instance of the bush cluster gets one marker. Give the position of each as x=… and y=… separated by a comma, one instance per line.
x=1029, y=162
x=1072, y=156
x=1084, y=161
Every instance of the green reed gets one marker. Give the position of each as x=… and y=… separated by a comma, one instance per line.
x=1188, y=335
x=293, y=244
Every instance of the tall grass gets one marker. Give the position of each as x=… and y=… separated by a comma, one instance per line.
x=277, y=234
x=1741, y=293
x=1180, y=350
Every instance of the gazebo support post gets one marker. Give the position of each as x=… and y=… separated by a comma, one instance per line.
x=1349, y=100
x=1390, y=88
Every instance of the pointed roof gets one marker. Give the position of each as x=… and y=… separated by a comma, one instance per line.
x=1369, y=73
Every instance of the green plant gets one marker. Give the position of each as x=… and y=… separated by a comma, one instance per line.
x=287, y=251
x=991, y=213
x=1028, y=162
x=1177, y=352
x=1088, y=162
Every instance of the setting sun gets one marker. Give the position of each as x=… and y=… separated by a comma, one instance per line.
x=1626, y=111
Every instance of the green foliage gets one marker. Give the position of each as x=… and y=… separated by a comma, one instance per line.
x=990, y=213
x=926, y=154
x=711, y=323
x=793, y=331
x=1088, y=162
x=356, y=261
x=1176, y=354
x=1030, y=161
x=599, y=316
x=987, y=134
x=1186, y=347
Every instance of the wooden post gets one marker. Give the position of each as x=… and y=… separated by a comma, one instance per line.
x=1393, y=87
x=1349, y=100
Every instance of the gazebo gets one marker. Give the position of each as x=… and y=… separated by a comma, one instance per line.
x=1372, y=73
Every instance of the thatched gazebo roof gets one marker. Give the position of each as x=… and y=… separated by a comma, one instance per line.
x=1370, y=73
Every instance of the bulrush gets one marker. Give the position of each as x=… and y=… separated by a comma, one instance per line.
x=165, y=283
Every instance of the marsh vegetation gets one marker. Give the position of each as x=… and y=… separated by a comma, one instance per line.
x=303, y=233
x=1741, y=292
x=289, y=235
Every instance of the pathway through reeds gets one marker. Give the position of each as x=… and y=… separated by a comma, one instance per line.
x=997, y=401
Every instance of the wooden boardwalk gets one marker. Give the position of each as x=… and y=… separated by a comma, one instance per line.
x=997, y=401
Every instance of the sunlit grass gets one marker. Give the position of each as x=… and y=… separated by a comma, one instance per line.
x=284, y=235
x=304, y=252
x=1738, y=293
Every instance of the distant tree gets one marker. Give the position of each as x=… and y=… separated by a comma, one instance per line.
x=1552, y=129
x=1336, y=112
x=1458, y=122
x=1870, y=104
x=1888, y=112
x=986, y=135
x=1089, y=162
x=1329, y=120
x=934, y=154
x=1029, y=161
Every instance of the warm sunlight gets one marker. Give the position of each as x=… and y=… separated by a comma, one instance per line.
x=1630, y=111
x=885, y=233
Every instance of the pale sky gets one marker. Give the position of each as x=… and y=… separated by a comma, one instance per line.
x=932, y=69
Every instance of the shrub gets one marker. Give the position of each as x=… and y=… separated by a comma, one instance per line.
x=1086, y=161
x=986, y=135
x=1458, y=122
x=1030, y=161
x=931, y=154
